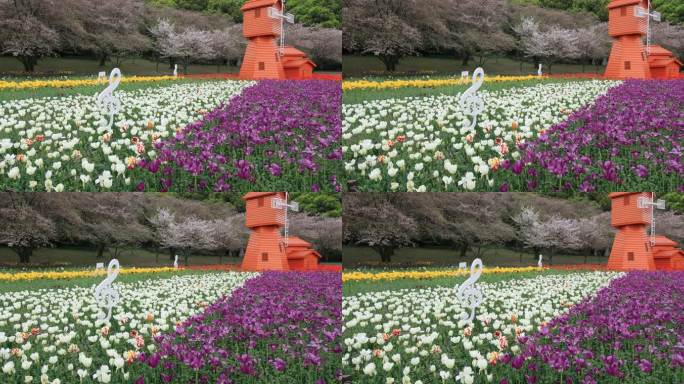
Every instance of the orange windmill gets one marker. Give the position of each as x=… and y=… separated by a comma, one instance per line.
x=266, y=56
x=628, y=24
x=267, y=249
x=633, y=248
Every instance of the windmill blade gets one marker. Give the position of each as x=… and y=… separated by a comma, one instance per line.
x=289, y=18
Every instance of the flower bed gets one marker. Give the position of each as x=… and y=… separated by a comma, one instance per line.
x=66, y=275
x=424, y=143
x=53, y=336
x=282, y=326
x=428, y=274
x=56, y=143
x=632, y=331
x=277, y=135
x=66, y=83
x=632, y=138
x=426, y=83
x=416, y=335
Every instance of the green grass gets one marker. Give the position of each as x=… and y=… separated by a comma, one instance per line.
x=7, y=95
x=89, y=66
x=85, y=257
x=356, y=287
x=355, y=257
x=360, y=66
x=360, y=95
x=33, y=285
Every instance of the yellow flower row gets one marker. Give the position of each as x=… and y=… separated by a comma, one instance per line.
x=65, y=275
x=31, y=84
x=398, y=275
x=426, y=83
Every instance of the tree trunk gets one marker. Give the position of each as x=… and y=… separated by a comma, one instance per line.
x=100, y=250
x=29, y=62
x=585, y=258
x=463, y=250
x=103, y=60
x=385, y=253
x=172, y=62
x=172, y=254
x=24, y=254
x=466, y=59
x=390, y=62
x=185, y=65
x=186, y=256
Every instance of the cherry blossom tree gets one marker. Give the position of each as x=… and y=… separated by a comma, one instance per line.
x=371, y=220
x=24, y=229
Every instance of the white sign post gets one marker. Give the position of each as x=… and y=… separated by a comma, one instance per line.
x=107, y=296
x=462, y=265
x=99, y=266
x=470, y=101
x=469, y=293
x=464, y=74
x=101, y=76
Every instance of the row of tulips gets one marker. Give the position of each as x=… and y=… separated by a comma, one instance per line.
x=69, y=83
x=67, y=275
x=429, y=274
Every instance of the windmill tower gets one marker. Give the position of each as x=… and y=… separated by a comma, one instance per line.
x=627, y=27
x=267, y=248
x=267, y=56
x=262, y=60
x=631, y=213
x=628, y=22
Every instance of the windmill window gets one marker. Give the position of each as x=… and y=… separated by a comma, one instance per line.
x=257, y=12
x=264, y=256
x=628, y=65
x=623, y=11
x=260, y=202
x=630, y=256
x=262, y=66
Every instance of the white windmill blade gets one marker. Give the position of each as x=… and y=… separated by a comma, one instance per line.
x=657, y=16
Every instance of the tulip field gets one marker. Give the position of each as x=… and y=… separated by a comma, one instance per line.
x=567, y=327
x=174, y=136
x=579, y=135
x=200, y=327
